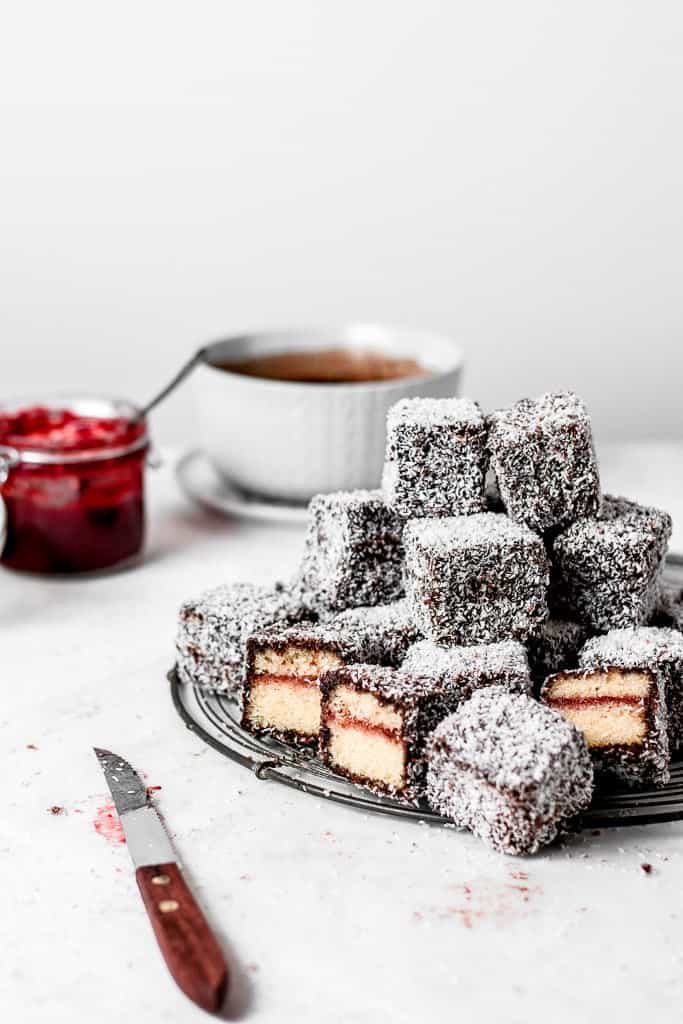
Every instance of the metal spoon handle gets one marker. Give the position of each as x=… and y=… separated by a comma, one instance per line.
x=184, y=371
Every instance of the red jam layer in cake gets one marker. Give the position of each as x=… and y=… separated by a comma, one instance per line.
x=345, y=721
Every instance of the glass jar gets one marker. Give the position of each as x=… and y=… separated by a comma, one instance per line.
x=72, y=480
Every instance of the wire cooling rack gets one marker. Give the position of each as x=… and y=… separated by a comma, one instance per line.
x=216, y=719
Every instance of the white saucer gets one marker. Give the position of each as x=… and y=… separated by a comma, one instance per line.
x=200, y=482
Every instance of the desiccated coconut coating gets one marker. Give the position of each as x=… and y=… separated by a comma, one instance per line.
x=475, y=579
x=423, y=703
x=436, y=457
x=606, y=571
x=543, y=456
x=658, y=649
x=353, y=552
x=467, y=669
x=508, y=769
x=389, y=626
x=213, y=630
x=555, y=647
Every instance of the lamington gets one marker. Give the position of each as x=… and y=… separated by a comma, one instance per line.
x=374, y=725
x=213, y=630
x=622, y=714
x=353, y=552
x=389, y=627
x=660, y=650
x=607, y=571
x=466, y=669
x=281, y=692
x=435, y=458
x=555, y=647
x=475, y=579
x=543, y=456
x=508, y=769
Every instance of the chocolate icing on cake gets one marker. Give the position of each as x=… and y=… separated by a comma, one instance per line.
x=555, y=647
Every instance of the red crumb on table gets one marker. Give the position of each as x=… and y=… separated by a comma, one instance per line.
x=521, y=875
x=483, y=900
x=31, y=746
x=647, y=868
x=55, y=809
x=107, y=824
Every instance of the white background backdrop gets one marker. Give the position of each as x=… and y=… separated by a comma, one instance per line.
x=510, y=172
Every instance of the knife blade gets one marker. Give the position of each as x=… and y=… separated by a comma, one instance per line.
x=187, y=943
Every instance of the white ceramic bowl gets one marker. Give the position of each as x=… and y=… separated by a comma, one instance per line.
x=291, y=440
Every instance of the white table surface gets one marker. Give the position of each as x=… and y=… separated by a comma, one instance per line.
x=328, y=914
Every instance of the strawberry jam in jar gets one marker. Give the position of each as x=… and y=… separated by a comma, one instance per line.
x=72, y=480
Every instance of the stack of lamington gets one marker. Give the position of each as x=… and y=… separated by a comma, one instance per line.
x=477, y=632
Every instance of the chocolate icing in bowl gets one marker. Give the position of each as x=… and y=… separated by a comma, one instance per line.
x=326, y=366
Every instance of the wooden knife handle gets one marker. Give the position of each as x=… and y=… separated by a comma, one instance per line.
x=190, y=949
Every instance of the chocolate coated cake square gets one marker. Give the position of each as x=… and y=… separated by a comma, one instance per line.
x=659, y=649
x=436, y=457
x=606, y=571
x=622, y=714
x=475, y=579
x=213, y=629
x=544, y=459
x=466, y=669
x=508, y=769
x=353, y=552
x=374, y=725
x=389, y=627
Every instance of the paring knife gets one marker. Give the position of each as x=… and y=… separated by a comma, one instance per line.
x=189, y=947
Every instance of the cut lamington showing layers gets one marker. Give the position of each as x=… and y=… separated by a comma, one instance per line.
x=544, y=459
x=466, y=669
x=213, y=630
x=508, y=769
x=475, y=579
x=374, y=725
x=622, y=714
x=660, y=650
x=555, y=647
x=606, y=571
x=436, y=457
x=282, y=696
x=353, y=552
